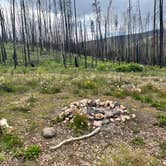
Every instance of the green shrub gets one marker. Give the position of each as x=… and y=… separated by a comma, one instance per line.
x=9, y=142
x=129, y=68
x=162, y=120
x=138, y=141
x=124, y=155
x=79, y=123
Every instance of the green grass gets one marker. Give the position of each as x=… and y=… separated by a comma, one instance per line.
x=124, y=155
x=9, y=142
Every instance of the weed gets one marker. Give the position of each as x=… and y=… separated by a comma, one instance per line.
x=48, y=88
x=79, y=123
x=2, y=158
x=163, y=149
x=138, y=141
x=161, y=120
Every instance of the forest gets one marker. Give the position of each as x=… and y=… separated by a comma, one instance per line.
x=82, y=83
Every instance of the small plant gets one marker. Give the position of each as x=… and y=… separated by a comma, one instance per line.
x=138, y=141
x=31, y=100
x=124, y=155
x=6, y=87
x=9, y=142
x=161, y=120
x=2, y=158
x=89, y=84
x=163, y=149
x=32, y=152
x=47, y=88
x=79, y=123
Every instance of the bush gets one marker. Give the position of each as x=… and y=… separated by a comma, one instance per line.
x=124, y=155
x=129, y=68
x=79, y=123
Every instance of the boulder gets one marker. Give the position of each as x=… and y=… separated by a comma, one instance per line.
x=49, y=132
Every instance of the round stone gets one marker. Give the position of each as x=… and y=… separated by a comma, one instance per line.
x=48, y=132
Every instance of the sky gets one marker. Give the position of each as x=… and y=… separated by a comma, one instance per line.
x=119, y=6
x=85, y=6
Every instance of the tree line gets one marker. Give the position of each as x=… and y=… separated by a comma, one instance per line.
x=54, y=27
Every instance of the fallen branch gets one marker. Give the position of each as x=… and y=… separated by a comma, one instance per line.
x=76, y=139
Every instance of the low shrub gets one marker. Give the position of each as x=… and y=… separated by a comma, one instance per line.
x=129, y=68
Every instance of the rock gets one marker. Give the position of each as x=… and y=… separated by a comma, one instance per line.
x=48, y=132
x=4, y=123
x=99, y=116
x=124, y=118
x=112, y=113
x=97, y=123
x=105, y=121
x=133, y=116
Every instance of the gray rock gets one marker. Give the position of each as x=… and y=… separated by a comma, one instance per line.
x=49, y=132
x=112, y=113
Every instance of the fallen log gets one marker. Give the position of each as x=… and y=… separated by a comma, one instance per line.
x=70, y=140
